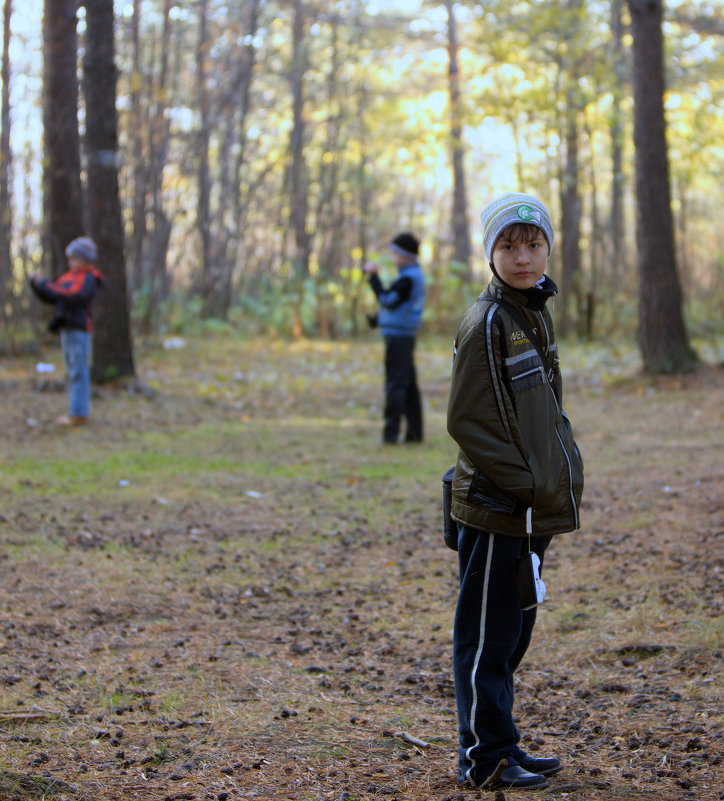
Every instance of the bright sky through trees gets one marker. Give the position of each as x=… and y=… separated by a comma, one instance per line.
x=416, y=48
x=489, y=140
x=26, y=67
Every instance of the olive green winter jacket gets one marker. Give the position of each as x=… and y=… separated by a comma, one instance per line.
x=516, y=444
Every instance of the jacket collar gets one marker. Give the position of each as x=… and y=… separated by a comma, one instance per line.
x=88, y=269
x=534, y=298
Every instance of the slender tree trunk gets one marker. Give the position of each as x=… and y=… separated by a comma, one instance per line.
x=112, y=350
x=328, y=223
x=617, y=238
x=460, y=220
x=154, y=253
x=26, y=229
x=63, y=198
x=299, y=179
x=245, y=77
x=299, y=172
x=243, y=189
x=681, y=232
x=233, y=206
x=139, y=123
x=363, y=201
x=330, y=205
x=217, y=305
x=6, y=220
x=664, y=342
x=595, y=250
x=203, y=207
x=570, y=221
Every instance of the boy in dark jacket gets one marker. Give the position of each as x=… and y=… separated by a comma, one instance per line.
x=518, y=481
x=72, y=294
x=399, y=318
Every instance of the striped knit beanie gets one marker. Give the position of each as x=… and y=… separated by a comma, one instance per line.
x=83, y=248
x=509, y=210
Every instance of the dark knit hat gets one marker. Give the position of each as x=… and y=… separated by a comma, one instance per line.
x=406, y=245
x=83, y=248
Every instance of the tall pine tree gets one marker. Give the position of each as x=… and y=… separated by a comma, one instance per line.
x=112, y=349
x=664, y=342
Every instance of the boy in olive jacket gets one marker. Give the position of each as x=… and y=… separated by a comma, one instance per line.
x=517, y=482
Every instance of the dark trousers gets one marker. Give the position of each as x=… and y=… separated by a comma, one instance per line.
x=402, y=396
x=490, y=637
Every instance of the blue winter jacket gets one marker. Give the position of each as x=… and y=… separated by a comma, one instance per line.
x=401, y=305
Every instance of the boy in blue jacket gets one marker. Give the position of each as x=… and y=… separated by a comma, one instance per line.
x=399, y=318
x=72, y=295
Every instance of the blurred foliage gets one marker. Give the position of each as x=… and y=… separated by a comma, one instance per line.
x=377, y=153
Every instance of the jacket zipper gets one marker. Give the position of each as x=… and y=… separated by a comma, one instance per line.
x=574, y=505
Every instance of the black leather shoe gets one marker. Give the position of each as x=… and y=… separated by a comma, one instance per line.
x=543, y=766
x=516, y=776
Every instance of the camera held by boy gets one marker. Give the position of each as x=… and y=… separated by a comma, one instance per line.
x=517, y=483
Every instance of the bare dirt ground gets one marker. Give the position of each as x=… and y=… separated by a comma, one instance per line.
x=231, y=591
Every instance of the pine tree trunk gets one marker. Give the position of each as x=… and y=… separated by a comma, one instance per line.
x=138, y=125
x=112, y=350
x=63, y=200
x=155, y=249
x=570, y=223
x=6, y=226
x=329, y=213
x=233, y=185
x=618, y=233
x=460, y=221
x=209, y=275
x=664, y=343
x=299, y=180
x=363, y=195
x=595, y=250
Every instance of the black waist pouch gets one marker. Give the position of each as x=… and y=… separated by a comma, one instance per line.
x=449, y=526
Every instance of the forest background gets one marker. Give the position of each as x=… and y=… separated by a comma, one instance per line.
x=267, y=149
x=224, y=588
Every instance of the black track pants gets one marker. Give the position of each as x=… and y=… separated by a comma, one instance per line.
x=490, y=638
x=402, y=396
